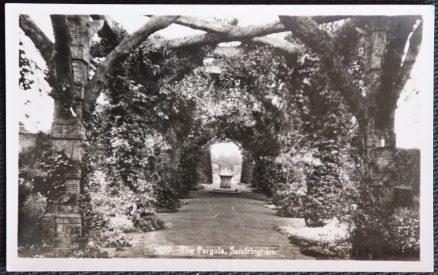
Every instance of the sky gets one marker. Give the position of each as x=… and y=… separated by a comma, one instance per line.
x=225, y=149
x=133, y=22
x=37, y=108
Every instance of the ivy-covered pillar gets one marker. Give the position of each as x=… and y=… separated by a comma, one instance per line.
x=386, y=72
x=247, y=167
x=377, y=188
x=61, y=225
x=205, y=170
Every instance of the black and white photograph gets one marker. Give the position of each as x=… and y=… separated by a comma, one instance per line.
x=150, y=137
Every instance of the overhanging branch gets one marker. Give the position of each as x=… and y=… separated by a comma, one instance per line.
x=210, y=25
x=109, y=27
x=411, y=55
x=280, y=44
x=317, y=40
x=236, y=33
x=40, y=40
x=223, y=32
x=38, y=37
x=96, y=84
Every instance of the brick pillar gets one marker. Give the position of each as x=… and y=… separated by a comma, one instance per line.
x=380, y=135
x=377, y=190
x=62, y=224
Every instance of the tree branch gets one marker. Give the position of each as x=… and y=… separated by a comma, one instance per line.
x=235, y=34
x=393, y=65
x=210, y=25
x=38, y=37
x=307, y=30
x=328, y=19
x=280, y=44
x=231, y=33
x=108, y=29
x=96, y=84
x=411, y=55
x=62, y=59
x=41, y=42
x=223, y=32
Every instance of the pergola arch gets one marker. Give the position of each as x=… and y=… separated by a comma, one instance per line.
x=68, y=62
x=206, y=155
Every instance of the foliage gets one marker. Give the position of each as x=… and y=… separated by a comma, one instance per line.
x=166, y=182
x=389, y=230
x=29, y=159
x=32, y=206
x=55, y=170
x=290, y=197
x=145, y=218
x=32, y=75
x=97, y=208
x=32, y=194
x=140, y=127
x=43, y=173
x=407, y=163
x=26, y=68
x=266, y=175
x=404, y=232
x=317, y=152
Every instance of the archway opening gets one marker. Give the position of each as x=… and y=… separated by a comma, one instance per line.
x=226, y=159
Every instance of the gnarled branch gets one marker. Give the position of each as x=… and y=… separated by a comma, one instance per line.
x=204, y=25
x=207, y=25
x=280, y=44
x=108, y=29
x=411, y=55
x=62, y=59
x=38, y=37
x=96, y=84
x=393, y=65
x=237, y=33
x=307, y=30
x=328, y=18
x=41, y=42
x=222, y=32
x=232, y=33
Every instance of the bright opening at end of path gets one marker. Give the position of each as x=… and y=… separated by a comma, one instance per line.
x=226, y=158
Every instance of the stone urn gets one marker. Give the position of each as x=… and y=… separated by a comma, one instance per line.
x=225, y=181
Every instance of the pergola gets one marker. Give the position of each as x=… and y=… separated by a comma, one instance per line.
x=69, y=64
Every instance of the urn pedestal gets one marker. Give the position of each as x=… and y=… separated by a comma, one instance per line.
x=225, y=181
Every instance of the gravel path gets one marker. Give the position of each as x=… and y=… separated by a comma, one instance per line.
x=215, y=225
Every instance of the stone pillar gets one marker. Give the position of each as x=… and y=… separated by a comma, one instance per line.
x=62, y=224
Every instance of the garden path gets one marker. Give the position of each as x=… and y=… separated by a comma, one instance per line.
x=211, y=220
